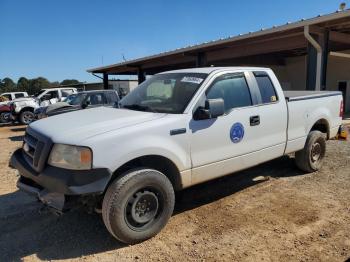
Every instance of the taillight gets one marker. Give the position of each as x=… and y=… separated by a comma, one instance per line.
x=341, y=111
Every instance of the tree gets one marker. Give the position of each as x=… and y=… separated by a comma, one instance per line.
x=36, y=84
x=55, y=84
x=23, y=84
x=69, y=82
x=7, y=85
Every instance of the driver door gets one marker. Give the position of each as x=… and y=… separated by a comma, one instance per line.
x=219, y=146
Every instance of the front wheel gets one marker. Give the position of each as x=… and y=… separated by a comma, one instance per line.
x=310, y=158
x=138, y=205
x=4, y=117
x=26, y=117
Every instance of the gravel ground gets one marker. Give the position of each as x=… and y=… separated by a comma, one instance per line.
x=271, y=212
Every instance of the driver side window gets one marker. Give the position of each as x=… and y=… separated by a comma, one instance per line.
x=233, y=89
x=95, y=99
x=49, y=95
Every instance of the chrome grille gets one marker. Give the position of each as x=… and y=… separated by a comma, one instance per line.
x=29, y=147
x=36, y=148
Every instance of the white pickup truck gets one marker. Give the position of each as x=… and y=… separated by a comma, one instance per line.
x=175, y=130
x=12, y=95
x=22, y=109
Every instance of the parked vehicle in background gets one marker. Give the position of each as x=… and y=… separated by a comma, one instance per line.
x=5, y=114
x=173, y=131
x=22, y=109
x=81, y=100
x=11, y=96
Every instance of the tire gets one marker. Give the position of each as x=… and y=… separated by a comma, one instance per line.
x=138, y=205
x=26, y=117
x=311, y=157
x=4, y=117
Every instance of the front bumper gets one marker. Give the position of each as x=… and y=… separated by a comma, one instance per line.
x=59, y=182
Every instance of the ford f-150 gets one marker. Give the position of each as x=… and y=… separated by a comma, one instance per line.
x=175, y=130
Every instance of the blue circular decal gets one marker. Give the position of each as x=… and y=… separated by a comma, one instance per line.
x=237, y=133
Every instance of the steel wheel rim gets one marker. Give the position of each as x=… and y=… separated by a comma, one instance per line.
x=27, y=117
x=143, y=209
x=6, y=116
x=316, y=152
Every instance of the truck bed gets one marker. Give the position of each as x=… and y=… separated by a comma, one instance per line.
x=304, y=95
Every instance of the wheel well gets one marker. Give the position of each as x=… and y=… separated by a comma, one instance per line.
x=27, y=109
x=322, y=126
x=159, y=163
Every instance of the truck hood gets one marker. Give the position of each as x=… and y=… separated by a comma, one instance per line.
x=74, y=127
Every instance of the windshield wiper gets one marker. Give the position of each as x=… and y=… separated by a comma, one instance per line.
x=139, y=108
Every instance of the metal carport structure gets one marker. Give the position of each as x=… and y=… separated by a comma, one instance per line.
x=316, y=38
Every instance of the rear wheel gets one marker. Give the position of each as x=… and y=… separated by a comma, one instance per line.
x=26, y=117
x=138, y=205
x=310, y=158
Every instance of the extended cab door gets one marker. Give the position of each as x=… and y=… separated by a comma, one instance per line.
x=272, y=110
x=217, y=144
x=251, y=131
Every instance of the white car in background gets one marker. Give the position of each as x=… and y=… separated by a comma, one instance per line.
x=12, y=96
x=22, y=109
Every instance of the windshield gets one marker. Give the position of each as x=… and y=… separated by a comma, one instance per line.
x=164, y=93
x=75, y=99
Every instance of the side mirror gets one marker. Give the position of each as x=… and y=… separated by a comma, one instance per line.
x=213, y=109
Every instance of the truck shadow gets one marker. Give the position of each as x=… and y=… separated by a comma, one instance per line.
x=219, y=188
x=25, y=231
x=19, y=129
x=10, y=124
x=16, y=138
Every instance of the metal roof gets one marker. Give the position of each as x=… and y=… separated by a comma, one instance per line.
x=208, y=70
x=320, y=19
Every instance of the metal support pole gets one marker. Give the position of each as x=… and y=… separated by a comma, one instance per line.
x=314, y=63
x=141, y=76
x=325, y=60
x=201, y=60
x=105, y=81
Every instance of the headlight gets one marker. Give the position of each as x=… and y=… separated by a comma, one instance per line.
x=71, y=157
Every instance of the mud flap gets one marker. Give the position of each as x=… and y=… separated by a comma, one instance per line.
x=342, y=133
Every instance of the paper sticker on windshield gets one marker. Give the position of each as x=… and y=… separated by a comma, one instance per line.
x=192, y=79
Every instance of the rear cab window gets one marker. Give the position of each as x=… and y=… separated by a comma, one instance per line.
x=18, y=95
x=266, y=88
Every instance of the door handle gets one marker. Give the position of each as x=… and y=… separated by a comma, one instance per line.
x=254, y=120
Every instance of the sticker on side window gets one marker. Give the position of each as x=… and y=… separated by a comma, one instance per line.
x=192, y=79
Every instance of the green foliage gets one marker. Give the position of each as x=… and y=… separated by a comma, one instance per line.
x=7, y=85
x=69, y=82
x=31, y=86
x=36, y=84
x=23, y=84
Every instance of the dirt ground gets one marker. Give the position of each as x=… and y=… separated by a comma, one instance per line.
x=289, y=216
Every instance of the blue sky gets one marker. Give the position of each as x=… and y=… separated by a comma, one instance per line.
x=61, y=39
